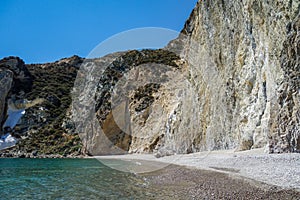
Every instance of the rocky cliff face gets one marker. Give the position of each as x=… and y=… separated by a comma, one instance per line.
x=236, y=85
x=243, y=60
x=231, y=80
x=116, y=98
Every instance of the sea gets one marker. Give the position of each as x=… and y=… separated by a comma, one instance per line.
x=22, y=178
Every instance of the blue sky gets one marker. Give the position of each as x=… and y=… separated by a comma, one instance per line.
x=46, y=30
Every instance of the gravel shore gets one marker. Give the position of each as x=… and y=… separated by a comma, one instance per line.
x=282, y=170
x=186, y=183
x=219, y=174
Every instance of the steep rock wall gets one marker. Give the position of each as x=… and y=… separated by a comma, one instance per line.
x=243, y=63
x=236, y=86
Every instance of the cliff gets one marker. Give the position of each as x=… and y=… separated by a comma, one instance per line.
x=244, y=65
x=236, y=86
x=231, y=80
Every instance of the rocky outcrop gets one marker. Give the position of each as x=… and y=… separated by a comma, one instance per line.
x=117, y=92
x=15, y=79
x=45, y=91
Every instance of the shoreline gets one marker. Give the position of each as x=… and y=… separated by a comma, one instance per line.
x=255, y=166
x=192, y=183
x=33, y=156
x=210, y=175
x=280, y=170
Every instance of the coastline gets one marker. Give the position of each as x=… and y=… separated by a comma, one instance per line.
x=210, y=175
x=10, y=154
x=255, y=166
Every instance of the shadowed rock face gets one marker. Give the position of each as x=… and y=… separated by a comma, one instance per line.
x=15, y=79
x=22, y=77
x=6, y=79
x=285, y=129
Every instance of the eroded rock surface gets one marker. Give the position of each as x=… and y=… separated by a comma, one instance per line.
x=242, y=68
x=243, y=64
x=229, y=81
x=236, y=85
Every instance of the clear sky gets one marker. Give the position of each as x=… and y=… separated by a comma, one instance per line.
x=46, y=30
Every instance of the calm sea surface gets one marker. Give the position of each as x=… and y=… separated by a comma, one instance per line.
x=70, y=179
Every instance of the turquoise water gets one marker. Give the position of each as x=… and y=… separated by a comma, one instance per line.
x=68, y=179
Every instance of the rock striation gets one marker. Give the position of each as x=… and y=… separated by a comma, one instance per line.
x=243, y=60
